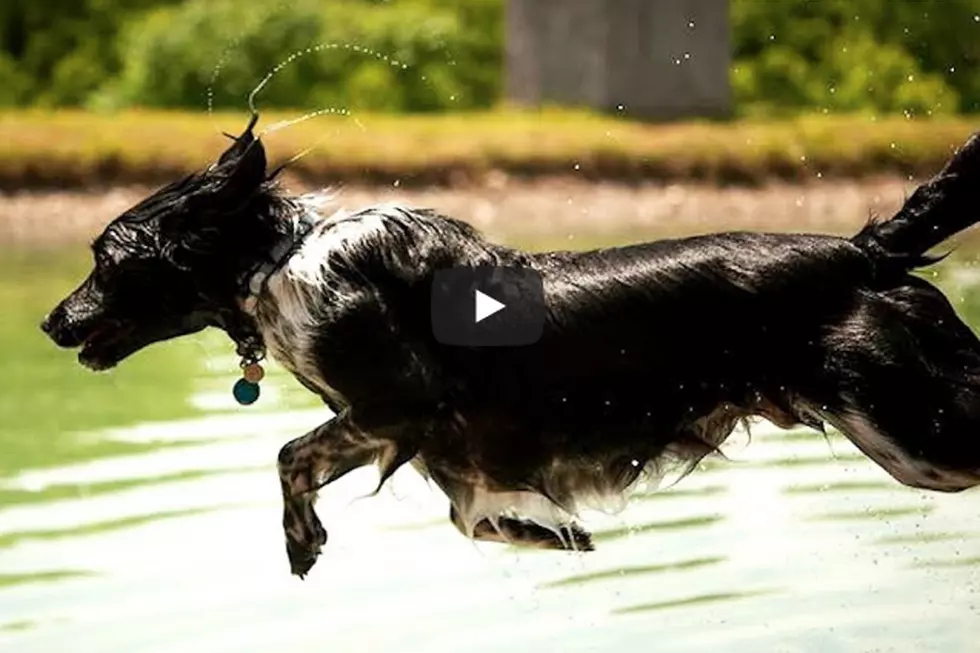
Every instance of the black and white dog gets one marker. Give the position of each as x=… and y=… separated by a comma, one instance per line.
x=651, y=354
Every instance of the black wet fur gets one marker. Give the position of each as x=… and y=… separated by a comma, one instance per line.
x=651, y=352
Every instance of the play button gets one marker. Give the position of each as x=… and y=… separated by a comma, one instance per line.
x=487, y=306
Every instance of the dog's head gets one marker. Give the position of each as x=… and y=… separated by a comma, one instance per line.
x=167, y=266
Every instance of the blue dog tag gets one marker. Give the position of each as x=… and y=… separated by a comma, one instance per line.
x=245, y=392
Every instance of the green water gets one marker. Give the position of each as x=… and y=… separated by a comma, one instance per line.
x=48, y=399
x=139, y=513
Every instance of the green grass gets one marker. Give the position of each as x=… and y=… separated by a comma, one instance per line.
x=78, y=148
x=48, y=398
x=14, y=496
x=10, y=539
x=17, y=626
x=847, y=487
x=661, y=526
x=701, y=599
x=9, y=580
x=680, y=493
x=873, y=514
x=949, y=563
x=623, y=572
x=919, y=538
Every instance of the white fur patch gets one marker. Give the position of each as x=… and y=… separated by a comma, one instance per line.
x=523, y=505
x=289, y=311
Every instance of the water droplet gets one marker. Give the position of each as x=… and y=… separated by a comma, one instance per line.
x=690, y=24
x=687, y=55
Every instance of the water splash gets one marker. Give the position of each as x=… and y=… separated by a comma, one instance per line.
x=315, y=49
x=215, y=73
x=342, y=111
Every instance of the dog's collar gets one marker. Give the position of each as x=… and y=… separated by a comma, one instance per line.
x=253, y=281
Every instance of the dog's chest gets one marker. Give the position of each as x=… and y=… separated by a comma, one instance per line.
x=291, y=311
x=288, y=324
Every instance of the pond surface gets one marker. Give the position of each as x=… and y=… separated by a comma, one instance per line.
x=165, y=536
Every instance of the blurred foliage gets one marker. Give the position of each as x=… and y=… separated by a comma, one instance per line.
x=914, y=56
x=84, y=149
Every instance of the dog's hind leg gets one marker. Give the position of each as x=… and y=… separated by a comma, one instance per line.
x=312, y=461
x=907, y=376
x=524, y=533
x=521, y=518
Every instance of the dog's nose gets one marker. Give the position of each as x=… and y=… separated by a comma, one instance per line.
x=59, y=329
x=48, y=323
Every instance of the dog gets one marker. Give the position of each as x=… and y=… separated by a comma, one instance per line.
x=650, y=354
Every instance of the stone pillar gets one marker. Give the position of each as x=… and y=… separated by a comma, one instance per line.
x=649, y=59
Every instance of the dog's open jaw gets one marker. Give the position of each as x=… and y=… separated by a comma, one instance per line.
x=169, y=266
x=99, y=352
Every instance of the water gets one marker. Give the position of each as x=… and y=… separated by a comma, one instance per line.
x=789, y=548
x=797, y=544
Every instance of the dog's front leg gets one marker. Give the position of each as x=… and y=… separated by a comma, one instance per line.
x=308, y=463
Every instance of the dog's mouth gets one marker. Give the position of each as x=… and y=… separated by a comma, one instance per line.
x=105, y=347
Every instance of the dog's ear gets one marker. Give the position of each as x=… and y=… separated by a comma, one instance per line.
x=966, y=160
x=244, y=163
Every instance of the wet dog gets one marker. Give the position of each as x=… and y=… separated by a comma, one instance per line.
x=650, y=354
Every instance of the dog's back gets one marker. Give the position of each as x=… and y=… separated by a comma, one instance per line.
x=657, y=349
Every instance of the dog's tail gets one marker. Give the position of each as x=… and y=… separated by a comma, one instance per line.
x=941, y=207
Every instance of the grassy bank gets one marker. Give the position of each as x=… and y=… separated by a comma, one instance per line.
x=75, y=149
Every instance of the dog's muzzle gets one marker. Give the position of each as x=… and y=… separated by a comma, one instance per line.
x=62, y=330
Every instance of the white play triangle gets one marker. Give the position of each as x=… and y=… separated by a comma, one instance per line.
x=486, y=306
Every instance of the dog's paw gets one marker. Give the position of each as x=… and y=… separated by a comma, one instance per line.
x=304, y=541
x=301, y=557
x=526, y=533
x=580, y=540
